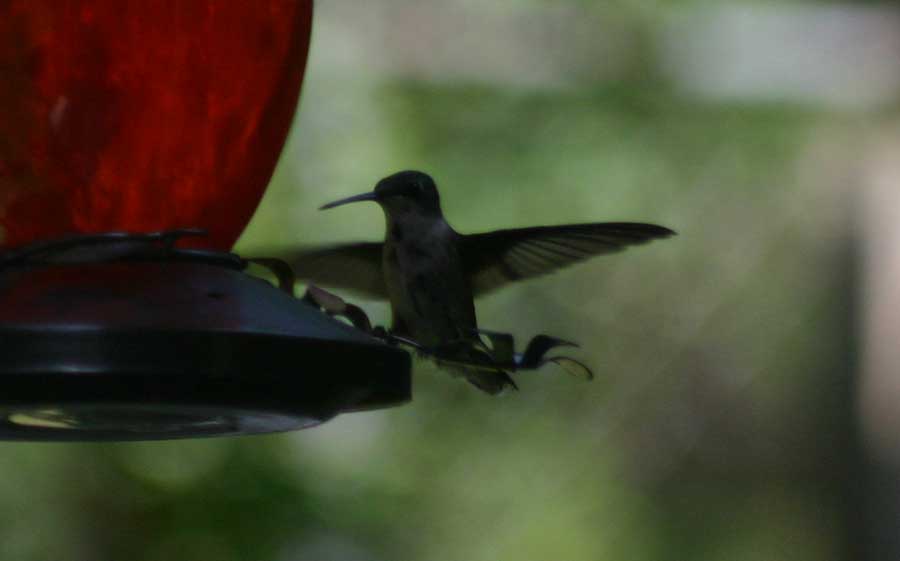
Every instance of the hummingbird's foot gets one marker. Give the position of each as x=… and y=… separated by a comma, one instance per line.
x=473, y=354
x=484, y=364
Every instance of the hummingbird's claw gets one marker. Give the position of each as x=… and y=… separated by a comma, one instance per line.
x=282, y=271
x=334, y=305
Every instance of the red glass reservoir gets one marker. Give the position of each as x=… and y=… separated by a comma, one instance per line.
x=143, y=115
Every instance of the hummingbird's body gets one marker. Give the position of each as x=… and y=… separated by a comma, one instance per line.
x=430, y=273
x=431, y=300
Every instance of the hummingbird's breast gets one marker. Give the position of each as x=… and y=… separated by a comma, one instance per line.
x=430, y=294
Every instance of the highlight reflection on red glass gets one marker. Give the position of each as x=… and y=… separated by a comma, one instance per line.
x=134, y=115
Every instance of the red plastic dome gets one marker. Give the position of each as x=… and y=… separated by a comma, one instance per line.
x=143, y=116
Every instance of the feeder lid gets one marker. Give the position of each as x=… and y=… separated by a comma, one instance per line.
x=133, y=339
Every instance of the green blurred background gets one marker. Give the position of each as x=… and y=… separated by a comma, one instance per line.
x=728, y=419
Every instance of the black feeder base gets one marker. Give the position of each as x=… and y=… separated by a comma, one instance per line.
x=125, y=337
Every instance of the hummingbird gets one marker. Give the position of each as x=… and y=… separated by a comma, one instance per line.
x=431, y=274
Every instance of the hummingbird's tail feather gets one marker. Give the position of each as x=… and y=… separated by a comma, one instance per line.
x=492, y=382
x=471, y=359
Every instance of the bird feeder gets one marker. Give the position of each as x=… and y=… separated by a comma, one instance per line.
x=126, y=129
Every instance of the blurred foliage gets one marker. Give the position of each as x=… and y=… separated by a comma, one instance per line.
x=717, y=425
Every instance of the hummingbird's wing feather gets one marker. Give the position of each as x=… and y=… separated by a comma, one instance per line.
x=355, y=267
x=494, y=259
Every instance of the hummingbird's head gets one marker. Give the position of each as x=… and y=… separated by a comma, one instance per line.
x=405, y=192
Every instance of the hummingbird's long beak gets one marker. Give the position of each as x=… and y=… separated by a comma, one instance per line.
x=370, y=196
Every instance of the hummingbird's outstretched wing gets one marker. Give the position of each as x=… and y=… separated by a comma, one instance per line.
x=354, y=266
x=494, y=259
